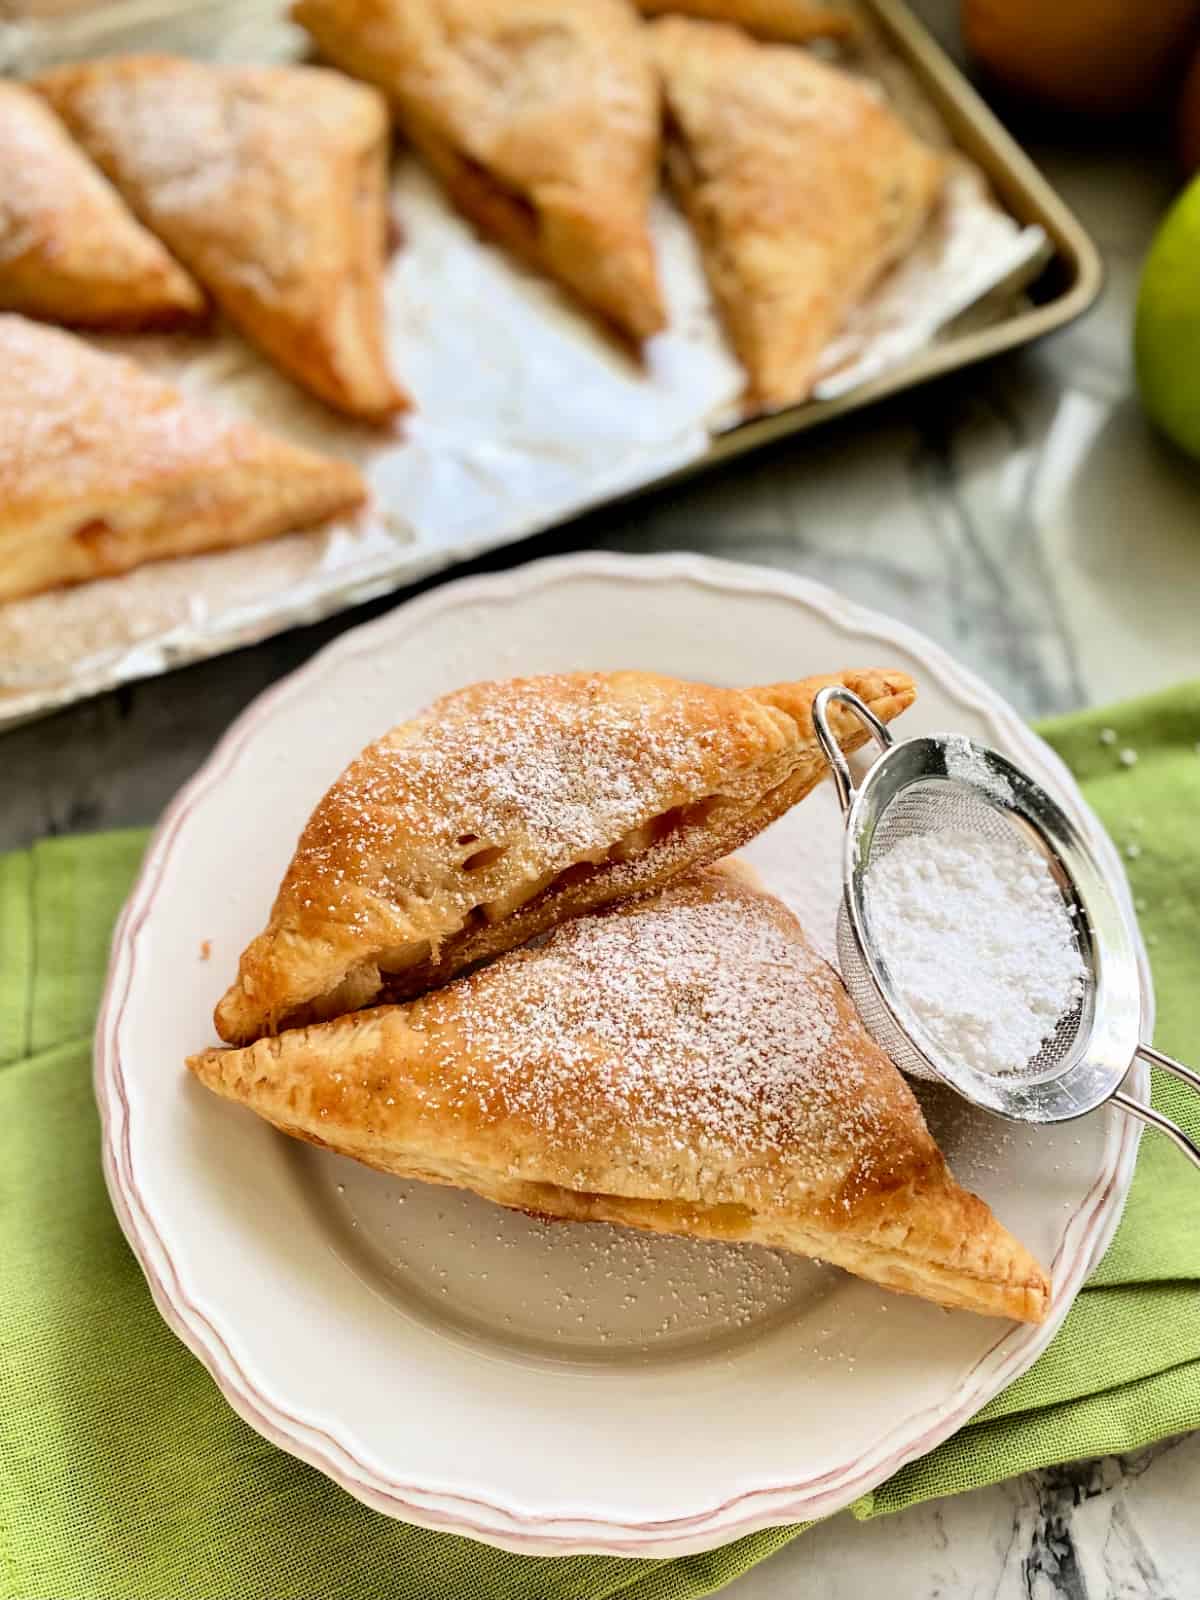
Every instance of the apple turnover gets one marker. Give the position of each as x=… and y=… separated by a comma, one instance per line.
x=540, y=117
x=104, y=467
x=270, y=184
x=683, y=1063
x=510, y=806
x=802, y=188
x=70, y=249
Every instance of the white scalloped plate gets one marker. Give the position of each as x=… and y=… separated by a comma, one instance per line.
x=561, y=1389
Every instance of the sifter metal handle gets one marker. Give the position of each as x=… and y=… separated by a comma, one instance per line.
x=1155, y=1119
x=842, y=778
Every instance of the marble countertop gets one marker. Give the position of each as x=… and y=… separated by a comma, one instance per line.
x=1024, y=515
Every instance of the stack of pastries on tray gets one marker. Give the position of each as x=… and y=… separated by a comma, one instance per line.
x=511, y=953
x=149, y=192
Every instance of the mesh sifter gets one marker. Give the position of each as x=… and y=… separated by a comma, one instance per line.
x=926, y=785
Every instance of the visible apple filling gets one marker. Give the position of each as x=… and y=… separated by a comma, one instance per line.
x=653, y=833
x=639, y=840
x=403, y=969
x=494, y=204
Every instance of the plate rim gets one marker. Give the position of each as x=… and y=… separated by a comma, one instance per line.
x=507, y=1526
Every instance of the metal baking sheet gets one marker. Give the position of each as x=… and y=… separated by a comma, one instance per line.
x=529, y=415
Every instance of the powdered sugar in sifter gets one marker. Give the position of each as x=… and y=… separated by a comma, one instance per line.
x=925, y=785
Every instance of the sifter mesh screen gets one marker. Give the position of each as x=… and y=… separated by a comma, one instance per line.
x=926, y=807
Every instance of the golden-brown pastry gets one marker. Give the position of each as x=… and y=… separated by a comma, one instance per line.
x=70, y=250
x=103, y=467
x=801, y=185
x=791, y=21
x=541, y=117
x=270, y=184
x=684, y=1064
x=509, y=806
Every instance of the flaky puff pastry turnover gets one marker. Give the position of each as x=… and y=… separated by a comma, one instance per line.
x=104, y=467
x=71, y=251
x=511, y=805
x=683, y=1063
x=540, y=117
x=802, y=188
x=791, y=21
x=270, y=184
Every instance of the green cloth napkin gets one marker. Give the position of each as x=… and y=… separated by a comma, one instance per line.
x=125, y=1476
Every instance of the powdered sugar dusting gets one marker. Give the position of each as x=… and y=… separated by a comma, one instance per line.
x=979, y=944
x=573, y=762
x=596, y=1296
x=552, y=771
x=57, y=417
x=699, y=1019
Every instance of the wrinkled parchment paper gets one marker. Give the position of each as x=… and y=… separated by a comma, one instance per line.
x=526, y=414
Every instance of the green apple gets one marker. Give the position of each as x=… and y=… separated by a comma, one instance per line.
x=1166, y=340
